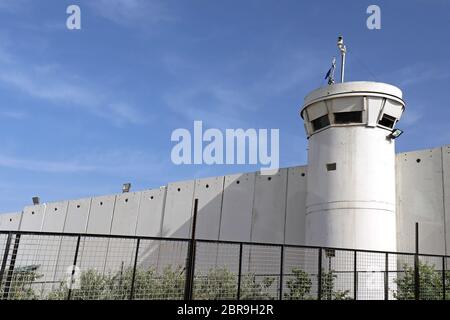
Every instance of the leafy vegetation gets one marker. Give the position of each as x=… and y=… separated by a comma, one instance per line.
x=431, y=285
x=216, y=283
x=148, y=284
x=21, y=282
x=299, y=287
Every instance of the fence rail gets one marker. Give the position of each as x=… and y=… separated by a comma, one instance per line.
x=43, y=265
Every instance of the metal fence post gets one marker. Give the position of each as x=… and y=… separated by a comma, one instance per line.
x=281, y=272
x=416, y=267
x=319, y=276
x=386, y=277
x=239, y=272
x=75, y=258
x=355, y=277
x=443, y=279
x=190, y=272
x=190, y=264
x=5, y=257
x=10, y=275
x=133, y=277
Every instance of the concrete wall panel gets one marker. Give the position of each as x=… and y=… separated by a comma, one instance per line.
x=269, y=208
x=178, y=209
x=237, y=207
x=55, y=216
x=32, y=218
x=10, y=221
x=121, y=253
x=77, y=215
x=100, y=216
x=209, y=194
x=126, y=213
x=49, y=249
x=296, y=206
x=151, y=212
x=92, y=253
x=446, y=179
x=420, y=199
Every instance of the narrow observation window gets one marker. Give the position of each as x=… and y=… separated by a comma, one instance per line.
x=331, y=166
x=320, y=122
x=387, y=121
x=348, y=117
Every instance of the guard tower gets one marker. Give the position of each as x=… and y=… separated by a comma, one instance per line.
x=351, y=128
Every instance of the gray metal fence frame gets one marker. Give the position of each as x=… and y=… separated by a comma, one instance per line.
x=12, y=245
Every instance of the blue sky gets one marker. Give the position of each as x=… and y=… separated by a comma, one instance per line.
x=83, y=111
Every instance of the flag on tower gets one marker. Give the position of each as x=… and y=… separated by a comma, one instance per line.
x=330, y=73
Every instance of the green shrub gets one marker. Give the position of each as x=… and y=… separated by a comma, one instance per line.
x=298, y=287
x=430, y=283
x=217, y=284
x=20, y=286
x=328, y=284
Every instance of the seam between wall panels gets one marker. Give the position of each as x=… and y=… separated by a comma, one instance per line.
x=65, y=217
x=163, y=213
x=221, y=208
x=80, y=255
x=113, y=214
x=286, y=205
x=60, y=244
x=20, y=221
x=398, y=230
x=40, y=229
x=252, y=217
x=251, y=222
x=443, y=199
x=43, y=217
x=89, y=216
x=220, y=220
x=110, y=230
x=141, y=194
x=161, y=224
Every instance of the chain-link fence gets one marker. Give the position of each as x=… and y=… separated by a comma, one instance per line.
x=37, y=265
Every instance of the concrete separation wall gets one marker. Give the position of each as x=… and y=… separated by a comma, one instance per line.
x=248, y=207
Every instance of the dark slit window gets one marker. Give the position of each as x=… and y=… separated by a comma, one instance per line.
x=387, y=121
x=348, y=117
x=320, y=122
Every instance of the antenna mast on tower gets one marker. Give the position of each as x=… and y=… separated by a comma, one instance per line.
x=343, y=51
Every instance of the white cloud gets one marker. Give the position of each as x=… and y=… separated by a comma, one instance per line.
x=216, y=106
x=52, y=83
x=222, y=103
x=124, y=113
x=12, y=114
x=41, y=166
x=411, y=116
x=288, y=71
x=120, y=162
x=419, y=73
x=12, y=5
x=132, y=12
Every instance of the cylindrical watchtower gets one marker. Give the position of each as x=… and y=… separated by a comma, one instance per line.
x=351, y=165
